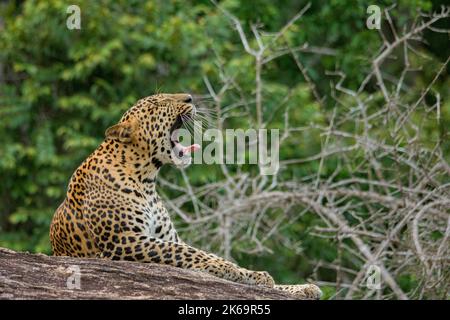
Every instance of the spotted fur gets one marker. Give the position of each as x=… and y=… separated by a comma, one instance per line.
x=112, y=210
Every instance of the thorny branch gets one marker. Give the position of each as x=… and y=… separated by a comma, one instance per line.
x=392, y=207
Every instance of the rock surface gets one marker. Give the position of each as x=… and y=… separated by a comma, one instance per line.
x=37, y=276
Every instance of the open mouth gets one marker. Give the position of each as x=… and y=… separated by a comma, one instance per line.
x=178, y=149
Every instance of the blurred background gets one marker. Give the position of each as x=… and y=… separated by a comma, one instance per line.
x=363, y=114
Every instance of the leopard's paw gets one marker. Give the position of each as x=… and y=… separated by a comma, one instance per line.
x=302, y=291
x=260, y=278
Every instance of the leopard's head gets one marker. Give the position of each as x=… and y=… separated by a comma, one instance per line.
x=150, y=129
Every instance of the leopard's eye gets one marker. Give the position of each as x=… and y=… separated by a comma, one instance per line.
x=188, y=99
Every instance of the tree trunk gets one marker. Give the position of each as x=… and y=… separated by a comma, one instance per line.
x=37, y=276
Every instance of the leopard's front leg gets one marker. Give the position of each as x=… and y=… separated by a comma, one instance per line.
x=145, y=249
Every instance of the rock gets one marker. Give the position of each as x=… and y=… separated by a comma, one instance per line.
x=38, y=276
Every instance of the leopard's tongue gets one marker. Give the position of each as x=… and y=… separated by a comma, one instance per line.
x=181, y=150
x=191, y=148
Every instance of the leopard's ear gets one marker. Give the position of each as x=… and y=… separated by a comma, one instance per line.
x=124, y=131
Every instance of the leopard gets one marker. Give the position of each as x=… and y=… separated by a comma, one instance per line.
x=112, y=209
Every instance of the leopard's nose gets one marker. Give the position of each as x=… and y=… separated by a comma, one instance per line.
x=188, y=99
